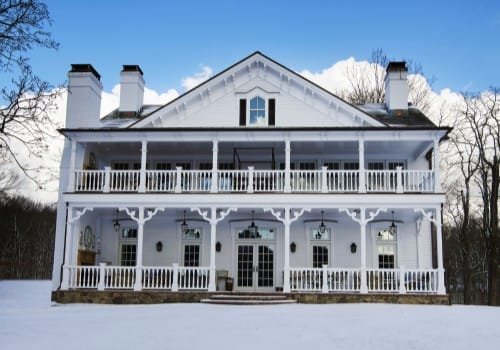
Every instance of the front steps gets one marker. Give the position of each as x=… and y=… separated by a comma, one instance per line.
x=248, y=299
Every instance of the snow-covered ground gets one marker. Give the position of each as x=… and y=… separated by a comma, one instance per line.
x=29, y=321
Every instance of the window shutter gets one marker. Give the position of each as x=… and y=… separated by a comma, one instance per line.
x=272, y=112
x=243, y=112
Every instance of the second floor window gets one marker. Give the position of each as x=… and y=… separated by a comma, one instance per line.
x=257, y=111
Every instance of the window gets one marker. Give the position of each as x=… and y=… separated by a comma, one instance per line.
x=263, y=233
x=375, y=165
x=184, y=165
x=386, y=249
x=163, y=166
x=192, y=234
x=257, y=112
x=205, y=166
x=351, y=165
x=192, y=255
x=226, y=166
x=128, y=246
x=307, y=165
x=332, y=165
x=120, y=166
x=394, y=165
x=128, y=254
x=320, y=255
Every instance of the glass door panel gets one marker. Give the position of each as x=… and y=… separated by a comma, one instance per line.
x=245, y=266
x=265, y=266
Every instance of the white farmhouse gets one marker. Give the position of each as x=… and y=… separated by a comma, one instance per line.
x=257, y=180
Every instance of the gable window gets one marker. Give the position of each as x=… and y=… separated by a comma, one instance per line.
x=257, y=112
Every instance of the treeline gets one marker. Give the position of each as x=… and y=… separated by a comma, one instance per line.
x=466, y=263
x=27, y=232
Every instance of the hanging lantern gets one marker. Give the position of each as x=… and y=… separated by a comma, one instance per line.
x=322, y=227
x=393, y=229
x=253, y=229
x=184, y=225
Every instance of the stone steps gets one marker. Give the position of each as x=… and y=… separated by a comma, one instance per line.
x=248, y=299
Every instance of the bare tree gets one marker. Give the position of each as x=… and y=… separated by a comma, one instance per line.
x=481, y=119
x=25, y=98
x=367, y=82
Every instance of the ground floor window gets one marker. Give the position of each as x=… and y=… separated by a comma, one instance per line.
x=128, y=254
x=192, y=255
x=319, y=255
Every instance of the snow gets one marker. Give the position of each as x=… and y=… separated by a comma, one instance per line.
x=28, y=320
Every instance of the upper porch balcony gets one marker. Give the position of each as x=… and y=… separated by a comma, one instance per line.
x=264, y=167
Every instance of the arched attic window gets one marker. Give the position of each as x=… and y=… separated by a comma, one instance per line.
x=257, y=112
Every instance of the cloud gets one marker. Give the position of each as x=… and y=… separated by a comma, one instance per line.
x=190, y=82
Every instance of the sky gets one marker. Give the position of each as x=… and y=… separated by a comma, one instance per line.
x=456, y=42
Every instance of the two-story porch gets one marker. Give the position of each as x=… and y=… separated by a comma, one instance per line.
x=286, y=213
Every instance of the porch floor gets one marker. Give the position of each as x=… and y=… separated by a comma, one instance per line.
x=161, y=297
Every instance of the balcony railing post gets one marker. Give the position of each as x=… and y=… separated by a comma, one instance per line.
x=178, y=180
x=324, y=284
x=288, y=186
x=250, y=179
x=175, y=278
x=102, y=272
x=107, y=180
x=324, y=179
x=399, y=179
x=142, y=181
x=402, y=286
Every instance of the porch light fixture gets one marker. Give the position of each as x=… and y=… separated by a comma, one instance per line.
x=184, y=225
x=159, y=246
x=393, y=228
x=116, y=222
x=353, y=247
x=218, y=247
x=253, y=229
x=293, y=247
x=322, y=227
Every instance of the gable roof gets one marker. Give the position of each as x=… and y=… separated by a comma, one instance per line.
x=144, y=118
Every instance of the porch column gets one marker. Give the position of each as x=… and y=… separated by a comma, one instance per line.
x=435, y=167
x=364, y=285
x=288, y=187
x=72, y=216
x=287, y=221
x=213, y=232
x=140, y=239
x=72, y=162
x=286, y=267
x=140, y=220
x=67, y=245
x=215, y=154
x=441, y=287
x=142, y=178
x=213, y=220
x=362, y=221
x=362, y=179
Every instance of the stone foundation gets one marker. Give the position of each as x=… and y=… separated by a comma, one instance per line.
x=162, y=297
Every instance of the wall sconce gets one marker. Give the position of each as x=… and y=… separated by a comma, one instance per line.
x=293, y=247
x=353, y=247
x=218, y=247
x=159, y=246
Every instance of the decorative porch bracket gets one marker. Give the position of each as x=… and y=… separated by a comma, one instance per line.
x=436, y=219
x=213, y=220
x=362, y=221
x=69, y=236
x=287, y=221
x=140, y=220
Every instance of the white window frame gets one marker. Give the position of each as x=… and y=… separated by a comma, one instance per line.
x=266, y=110
x=126, y=241
x=375, y=243
x=326, y=243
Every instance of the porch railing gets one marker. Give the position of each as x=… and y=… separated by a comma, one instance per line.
x=347, y=280
x=124, y=277
x=251, y=181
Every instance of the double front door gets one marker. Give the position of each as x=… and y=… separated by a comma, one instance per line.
x=255, y=266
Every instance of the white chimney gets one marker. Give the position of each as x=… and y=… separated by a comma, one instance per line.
x=396, y=86
x=84, y=97
x=131, y=88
